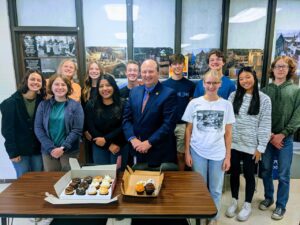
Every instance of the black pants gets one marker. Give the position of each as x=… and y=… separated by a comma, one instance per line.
x=248, y=170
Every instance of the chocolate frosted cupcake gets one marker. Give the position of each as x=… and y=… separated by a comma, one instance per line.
x=76, y=180
x=88, y=179
x=74, y=184
x=69, y=190
x=84, y=185
x=149, y=188
x=80, y=191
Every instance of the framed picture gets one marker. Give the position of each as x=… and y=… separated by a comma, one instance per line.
x=45, y=52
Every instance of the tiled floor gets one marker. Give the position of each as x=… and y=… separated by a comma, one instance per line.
x=292, y=216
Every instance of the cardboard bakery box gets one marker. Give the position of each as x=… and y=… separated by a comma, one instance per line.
x=131, y=178
x=77, y=171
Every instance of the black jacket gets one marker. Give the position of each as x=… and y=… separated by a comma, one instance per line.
x=18, y=128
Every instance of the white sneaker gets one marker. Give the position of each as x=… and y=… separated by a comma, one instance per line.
x=231, y=210
x=213, y=222
x=46, y=221
x=245, y=212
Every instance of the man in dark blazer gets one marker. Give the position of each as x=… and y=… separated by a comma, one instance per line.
x=149, y=119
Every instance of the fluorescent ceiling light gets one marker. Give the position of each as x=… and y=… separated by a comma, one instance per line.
x=199, y=37
x=184, y=45
x=117, y=12
x=250, y=15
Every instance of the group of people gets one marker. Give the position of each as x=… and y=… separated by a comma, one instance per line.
x=155, y=125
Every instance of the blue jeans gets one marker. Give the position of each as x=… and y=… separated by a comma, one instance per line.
x=102, y=156
x=213, y=176
x=27, y=164
x=285, y=156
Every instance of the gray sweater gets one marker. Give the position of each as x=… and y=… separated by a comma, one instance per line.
x=252, y=132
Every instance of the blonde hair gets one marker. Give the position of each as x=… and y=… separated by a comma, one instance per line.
x=213, y=74
x=59, y=68
x=87, y=86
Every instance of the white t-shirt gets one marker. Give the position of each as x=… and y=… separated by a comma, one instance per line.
x=209, y=120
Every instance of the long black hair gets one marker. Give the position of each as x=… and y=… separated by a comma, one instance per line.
x=115, y=97
x=240, y=92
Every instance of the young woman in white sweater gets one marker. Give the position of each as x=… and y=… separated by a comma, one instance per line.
x=250, y=136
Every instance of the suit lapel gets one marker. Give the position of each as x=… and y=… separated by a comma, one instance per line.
x=139, y=100
x=153, y=96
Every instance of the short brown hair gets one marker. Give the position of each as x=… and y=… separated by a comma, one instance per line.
x=176, y=58
x=218, y=53
x=292, y=66
x=133, y=62
x=65, y=80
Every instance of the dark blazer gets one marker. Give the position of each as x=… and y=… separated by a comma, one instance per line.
x=156, y=124
x=18, y=128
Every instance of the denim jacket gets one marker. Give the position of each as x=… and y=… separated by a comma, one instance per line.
x=74, y=118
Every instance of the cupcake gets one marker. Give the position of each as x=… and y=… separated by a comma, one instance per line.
x=74, y=184
x=97, y=179
x=107, y=178
x=105, y=183
x=80, y=191
x=95, y=184
x=103, y=191
x=84, y=185
x=92, y=191
x=149, y=188
x=88, y=179
x=76, y=180
x=69, y=190
x=139, y=188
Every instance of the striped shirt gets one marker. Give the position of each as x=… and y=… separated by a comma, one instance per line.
x=252, y=132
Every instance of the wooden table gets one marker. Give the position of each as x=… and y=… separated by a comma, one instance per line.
x=183, y=195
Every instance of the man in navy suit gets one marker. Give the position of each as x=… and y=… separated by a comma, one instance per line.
x=149, y=119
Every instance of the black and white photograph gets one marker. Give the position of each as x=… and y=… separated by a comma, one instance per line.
x=209, y=120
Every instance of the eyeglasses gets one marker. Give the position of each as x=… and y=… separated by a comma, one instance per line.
x=284, y=67
x=212, y=83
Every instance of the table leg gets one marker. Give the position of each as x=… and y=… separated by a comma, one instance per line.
x=3, y=220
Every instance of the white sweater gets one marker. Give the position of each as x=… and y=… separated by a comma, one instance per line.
x=252, y=132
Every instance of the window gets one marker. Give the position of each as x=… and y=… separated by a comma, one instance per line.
x=105, y=34
x=287, y=31
x=153, y=32
x=57, y=13
x=246, y=35
x=201, y=25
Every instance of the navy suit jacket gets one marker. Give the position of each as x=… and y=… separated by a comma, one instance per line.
x=156, y=124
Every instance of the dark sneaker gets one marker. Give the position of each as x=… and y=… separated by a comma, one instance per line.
x=265, y=204
x=278, y=213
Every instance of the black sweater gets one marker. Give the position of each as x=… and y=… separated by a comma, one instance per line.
x=17, y=127
x=105, y=121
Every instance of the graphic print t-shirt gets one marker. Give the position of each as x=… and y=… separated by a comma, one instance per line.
x=209, y=120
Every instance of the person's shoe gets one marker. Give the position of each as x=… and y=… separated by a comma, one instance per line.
x=278, y=213
x=231, y=210
x=265, y=204
x=203, y=221
x=212, y=222
x=35, y=220
x=45, y=221
x=245, y=212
